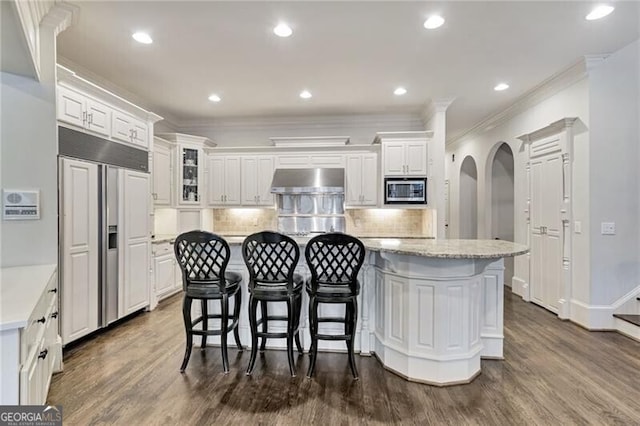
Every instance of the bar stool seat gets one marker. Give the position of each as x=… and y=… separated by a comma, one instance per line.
x=271, y=259
x=203, y=259
x=334, y=260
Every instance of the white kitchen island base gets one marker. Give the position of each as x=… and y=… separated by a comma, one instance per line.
x=434, y=318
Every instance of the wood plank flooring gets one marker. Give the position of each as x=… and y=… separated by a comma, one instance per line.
x=554, y=372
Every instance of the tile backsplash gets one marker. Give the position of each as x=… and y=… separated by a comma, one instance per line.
x=360, y=222
x=243, y=221
x=390, y=222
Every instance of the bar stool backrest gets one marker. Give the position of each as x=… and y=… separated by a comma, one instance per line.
x=334, y=259
x=203, y=258
x=271, y=258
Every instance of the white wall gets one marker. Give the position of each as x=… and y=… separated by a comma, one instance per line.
x=571, y=101
x=29, y=158
x=257, y=131
x=614, y=174
x=468, y=201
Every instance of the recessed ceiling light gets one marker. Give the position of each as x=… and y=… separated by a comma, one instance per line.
x=599, y=12
x=305, y=94
x=500, y=87
x=433, y=22
x=215, y=98
x=400, y=91
x=141, y=37
x=282, y=30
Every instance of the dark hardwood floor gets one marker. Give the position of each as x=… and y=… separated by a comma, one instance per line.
x=554, y=372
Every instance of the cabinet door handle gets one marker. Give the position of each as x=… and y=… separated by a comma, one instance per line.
x=155, y=196
x=43, y=354
x=42, y=320
x=90, y=118
x=54, y=315
x=53, y=290
x=84, y=117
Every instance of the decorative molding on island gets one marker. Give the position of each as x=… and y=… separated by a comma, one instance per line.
x=429, y=309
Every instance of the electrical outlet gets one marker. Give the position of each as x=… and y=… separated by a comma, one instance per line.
x=577, y=227
x=608, y=228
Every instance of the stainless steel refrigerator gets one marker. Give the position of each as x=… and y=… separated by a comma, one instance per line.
x=90, y=232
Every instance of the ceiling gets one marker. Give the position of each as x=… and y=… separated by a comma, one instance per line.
x=349, y=55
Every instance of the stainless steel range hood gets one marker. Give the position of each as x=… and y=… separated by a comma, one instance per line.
x=308, y=181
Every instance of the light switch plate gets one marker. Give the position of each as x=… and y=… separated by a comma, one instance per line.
x=608, y=228
x=577, y=227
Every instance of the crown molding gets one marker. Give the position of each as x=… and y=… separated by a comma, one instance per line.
x=68, y=77
x=544, y=90
x=304, y=121
x=551, y=129
x=60, y=17
x=129, y=97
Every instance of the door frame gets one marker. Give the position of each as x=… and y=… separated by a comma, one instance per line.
x=558, y=136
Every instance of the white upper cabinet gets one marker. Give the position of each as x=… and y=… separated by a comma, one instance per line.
x=87, y=107
x=257, y=174
x=162, y=172
x=404, y=153
x=362, y=179
x=190, y=175
x=405, y=158
x=127, y=128
x=224, y=180
x=82, y=111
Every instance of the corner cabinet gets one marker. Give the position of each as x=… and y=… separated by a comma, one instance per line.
x=187, y=169
x=81, y=105
x=257, y=174
x=362, y=180
x=404, y=153
x=224, y=180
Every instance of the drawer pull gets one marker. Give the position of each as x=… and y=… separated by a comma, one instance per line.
x=42, y=320
x=43, y=354
x=53, y=290
x=54, y=315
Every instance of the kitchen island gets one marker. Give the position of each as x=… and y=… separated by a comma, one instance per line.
x=429, y=309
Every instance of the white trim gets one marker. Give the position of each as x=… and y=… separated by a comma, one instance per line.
x=628, y=329
x=547, y=88
x=309, y=141
x=629, y=297
x=592, y=317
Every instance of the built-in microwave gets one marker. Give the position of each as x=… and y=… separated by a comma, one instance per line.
x=405, y=190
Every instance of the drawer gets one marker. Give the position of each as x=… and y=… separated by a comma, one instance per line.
x=162, y=249
x=46, y=306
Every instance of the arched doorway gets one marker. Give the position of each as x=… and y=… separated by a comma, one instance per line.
x=468, y=199
x=502, y=204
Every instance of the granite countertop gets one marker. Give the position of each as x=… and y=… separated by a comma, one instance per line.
x=447, y=249
x=20, y=291
x=426, y=247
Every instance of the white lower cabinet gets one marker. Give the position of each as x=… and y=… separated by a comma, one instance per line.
x=165, y=270
x=32, y=348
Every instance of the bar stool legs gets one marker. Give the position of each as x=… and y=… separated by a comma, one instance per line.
x=186, y=315
x=351, y=318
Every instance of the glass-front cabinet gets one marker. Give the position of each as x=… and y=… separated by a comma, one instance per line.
x=190, y=183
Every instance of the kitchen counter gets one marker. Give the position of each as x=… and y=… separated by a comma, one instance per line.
x=20, y=290
x=446, y=249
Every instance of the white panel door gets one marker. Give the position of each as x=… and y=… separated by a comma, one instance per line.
x=216, y=181
x=71, y=107
x=546, y=269
x=266, y=167
x=140, y=134
x=162, y=175
x=249, y=181
x=416, y=158
x=79, y=249
x=121, y=126
x=164, y=274
x=133, y=292
x=369, y=179
x=393, y=154
x=232, y=181
x=98, y=118
x=354, y=180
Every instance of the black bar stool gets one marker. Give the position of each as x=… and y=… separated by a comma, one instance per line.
x=334, y=260
x=271, y=259
x=203, y=258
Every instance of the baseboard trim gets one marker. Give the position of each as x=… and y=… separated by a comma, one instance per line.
x=592, y=317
